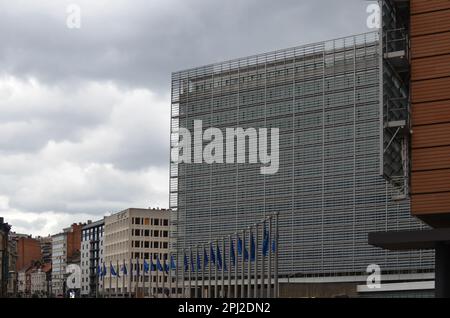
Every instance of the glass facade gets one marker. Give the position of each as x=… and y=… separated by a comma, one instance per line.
x=325, y=100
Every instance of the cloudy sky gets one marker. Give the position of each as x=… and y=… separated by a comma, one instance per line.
x=84, y=113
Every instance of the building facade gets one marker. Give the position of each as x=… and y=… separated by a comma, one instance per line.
x=66, y=248
x=91, y=256
x=28, y=250
x=136, y=235
x=40, y=280
x=46, y=249
x=325, y=100
x=4, y=256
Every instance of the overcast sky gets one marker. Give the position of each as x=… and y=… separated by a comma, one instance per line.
x=84, y=113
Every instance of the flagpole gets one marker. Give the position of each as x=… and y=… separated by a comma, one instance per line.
x=255, y=288
x=183, y=294
x=110, y=279
x=163, y=265
x=243, y=266
x=269, y=266
x=177, y=264
x=202, y=259
x=131, y=274
x=136, y=285
x=209, y=271
x=229, y=268
x=249, y=265
x=150, y=270
x=117, y=278
x=223, y=268
x=263, y=274
x=196, y=273
x=170, y=276
x=277, y=291
x=123, y=280
x=236, y=267
x=190, y=272
x=216, y=288
x=157, y=278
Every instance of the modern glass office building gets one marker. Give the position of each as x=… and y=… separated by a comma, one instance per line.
x=325, y=100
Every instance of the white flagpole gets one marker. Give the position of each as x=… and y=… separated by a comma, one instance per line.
x=215, y=271
x=117, y=278
x=249, y=265
x=136, y=285
x=229, y=267
x=150, y=271
x=202, y=261
x=277, y=290
x=209, y=270
x=189, y=272
x=163, y=277
x=224, y=259
x=243, y=266
x=196, y=273
x=183, y=269
x=263, y=273
x=170, y=275
x=110, y=279
x=157, y=277
x=255, y=288
x=269, y=266
x=123, y=281
x=236, y=266
x=144, y=279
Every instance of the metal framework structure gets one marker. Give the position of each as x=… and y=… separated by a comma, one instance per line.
x=325, y=98
x=394, y=99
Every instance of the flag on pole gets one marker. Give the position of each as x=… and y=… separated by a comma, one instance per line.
x=232, y=254
x=137, y=267
x=158, y=265
x=173, y=266
x=166, y=266
x=104, y=270
x=199, y=265
x=213, y=256
x=242, y=249
x=186, y=266
x=124, y=269
x=113, y=271
x=205, y=258
x=219, y=257
x=99, y=270
x=146, y=266
x=265, y=245
x=152, y=266
x=192, y=262
x=252, y=248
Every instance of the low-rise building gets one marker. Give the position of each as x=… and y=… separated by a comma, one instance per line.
x=136, y=235
x=91, y=256
x=65, y=250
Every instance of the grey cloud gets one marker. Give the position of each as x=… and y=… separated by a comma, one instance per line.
x=139, y=43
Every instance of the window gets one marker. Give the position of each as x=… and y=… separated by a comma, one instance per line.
x=147, y=233
x=146, y=221
x=166, y=222
x=146, y=244
x=156, y=222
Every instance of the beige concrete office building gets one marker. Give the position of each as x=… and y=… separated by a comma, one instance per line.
x=136, y=235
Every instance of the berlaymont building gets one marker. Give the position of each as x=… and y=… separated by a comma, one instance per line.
x=341, y=107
